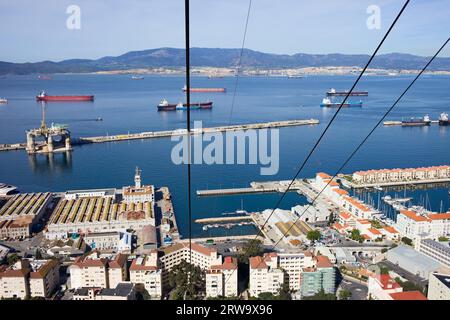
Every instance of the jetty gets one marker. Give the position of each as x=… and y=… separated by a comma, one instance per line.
x=255, y=187
x=176, y=132
x=223, y=219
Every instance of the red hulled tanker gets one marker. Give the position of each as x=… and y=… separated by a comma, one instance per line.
x=45, y=97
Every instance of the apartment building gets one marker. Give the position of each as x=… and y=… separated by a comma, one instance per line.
x=438, y=251
x=14, y=280
x=44, y=278
x=321, y=276
x=100, y=271
x=265, y=276
x=433, y=225
x=395, y=175
x=29, y=278
x=222, y=280
x=144, y=270
x=203, y=257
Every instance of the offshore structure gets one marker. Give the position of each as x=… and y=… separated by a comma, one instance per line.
x=56, y=138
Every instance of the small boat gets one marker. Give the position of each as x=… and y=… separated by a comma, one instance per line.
x=443, y=119
x=378, y=188
x=164, y=105
x=137, y=77
x=333, y=92
x=99, y=119
x=416, y=122
x=327, y=103
x=44, y=77
x=3, y=101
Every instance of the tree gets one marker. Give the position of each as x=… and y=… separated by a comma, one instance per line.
x=313, y=235
x=443, y=239
x=13, y=258
x=251, y=248
x=384, y=270
x=376, y=224
x=344, y=294
x=186, y=281
x=330, y=219
x=356, y=235
x=407, y=241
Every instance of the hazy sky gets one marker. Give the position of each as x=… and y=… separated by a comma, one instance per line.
x=36, y=30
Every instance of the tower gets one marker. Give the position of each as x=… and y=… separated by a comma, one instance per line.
x=137, y=178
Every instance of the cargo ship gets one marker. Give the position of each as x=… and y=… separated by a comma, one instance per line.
x=416, y=122
x=327, y=103
x=44, y=97
x=333, y=92
x=204, y=89
x=443, y=119
x=164, y=105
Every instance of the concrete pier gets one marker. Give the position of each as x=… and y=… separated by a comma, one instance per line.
x=164, y=134
x=223, y=219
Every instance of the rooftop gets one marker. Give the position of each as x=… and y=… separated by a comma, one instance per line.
x=99, y=209
x=408, y=295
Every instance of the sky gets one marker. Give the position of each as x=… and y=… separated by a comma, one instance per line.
x=33, y=31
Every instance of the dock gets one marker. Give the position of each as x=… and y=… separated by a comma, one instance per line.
x=176, y=132
x=399, y=123
x=223, y=219
x=255, y=187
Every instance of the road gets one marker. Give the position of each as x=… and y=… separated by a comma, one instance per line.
x=358, y=290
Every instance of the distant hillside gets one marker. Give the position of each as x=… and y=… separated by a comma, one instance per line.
x=215, y=57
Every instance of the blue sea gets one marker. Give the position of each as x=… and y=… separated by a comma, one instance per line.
x=127, y=105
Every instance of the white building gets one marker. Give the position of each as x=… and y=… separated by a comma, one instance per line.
x=109, y=241
x=14, y=280
x=44, y=278
x=396, y=175
x=144, y=270
x=438, y=251
x=138, y=193
x=99, y=271
x=222, y=280
x=412, y=225
x=265, y=276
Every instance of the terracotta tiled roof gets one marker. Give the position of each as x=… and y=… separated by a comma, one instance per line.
x=229, y=263
x=439, y=216
x=324, y=175
x=408, y=295
x=323, y=262
x=118, y=261
x=257, y=263
x=390, y=229
x=374, y=231
x=387, y=282
x=342, y=192
x=412, y=215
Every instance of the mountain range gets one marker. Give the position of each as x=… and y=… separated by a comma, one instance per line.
x=217, y=57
